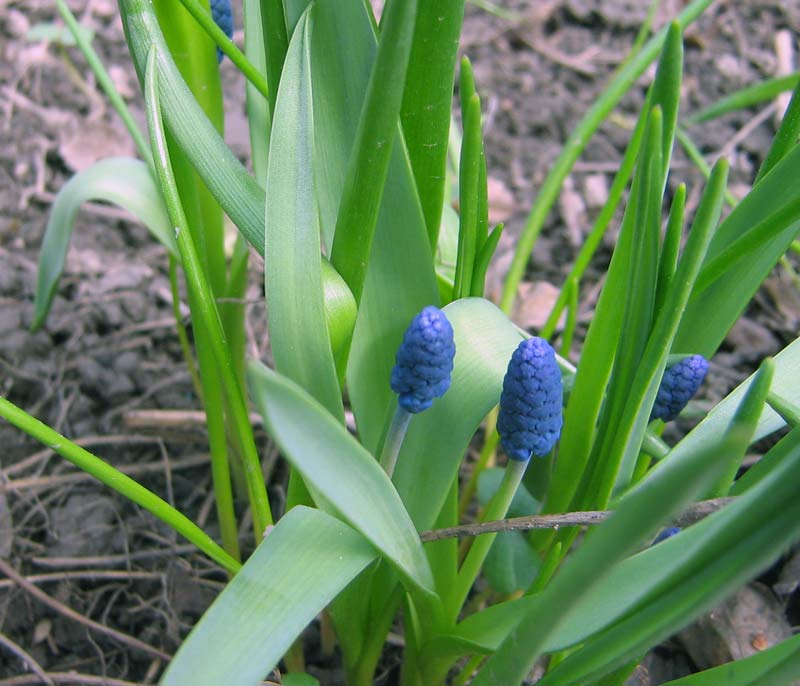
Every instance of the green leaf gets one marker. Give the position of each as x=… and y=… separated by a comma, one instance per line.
x=772, y=211
x=786, y=136
x=746, y=97
x=123, y=181
x=368, y=168
x=343, y=477
x=303, y=563
x=437, y=438
x=226, y=178
x=293, y=280
x=400, y=278
x=427, y=102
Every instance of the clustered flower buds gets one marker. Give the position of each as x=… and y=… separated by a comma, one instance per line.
x=424, y=361
x=679, y=384
x=222, y=14
x=530, y=415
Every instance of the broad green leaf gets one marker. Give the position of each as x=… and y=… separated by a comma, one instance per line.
x=343, y=476
x=400, y=278
x=123, y=181
x=762, y=669
x=226, y=178
x=427, y=102
x=711, y=313
x=437, y=438
x=303, y=563
x=293, y=274
x=636, y=519
x=368, y=166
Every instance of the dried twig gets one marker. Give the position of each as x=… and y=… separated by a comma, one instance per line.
x=689, y=516
x=28, y=659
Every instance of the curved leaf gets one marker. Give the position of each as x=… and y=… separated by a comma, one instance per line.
x=123, y=181
x=303, y=563
x=293, y=277
x=343, y=477
x=236, y=191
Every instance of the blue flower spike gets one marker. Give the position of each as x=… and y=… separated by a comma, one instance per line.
x=222, y=14
x=424, y=361
x=531, y=415
x=679, y=384
x=424, y=364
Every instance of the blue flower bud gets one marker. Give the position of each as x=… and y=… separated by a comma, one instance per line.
x=530, y=415
x=222, y=14
x=664, y=534
x=424, y=361
x=679, y=384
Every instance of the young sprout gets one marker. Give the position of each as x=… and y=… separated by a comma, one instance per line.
x=421, y=374
x=222, y=14
x=679, y=384
x=530, y=418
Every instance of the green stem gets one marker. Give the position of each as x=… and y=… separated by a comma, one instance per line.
x=394, y=440
x=575, y=145
x=497, y=509
x=227, y=46
x=105, y=81
x=183, y=339
x=487, y=452
x=120, y=482
x=206, y=307
x=213, y=402
x=788, y=411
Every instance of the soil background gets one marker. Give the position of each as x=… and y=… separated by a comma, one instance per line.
x=109, y=351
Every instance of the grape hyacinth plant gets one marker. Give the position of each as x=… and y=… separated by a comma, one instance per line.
x=349, y=205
